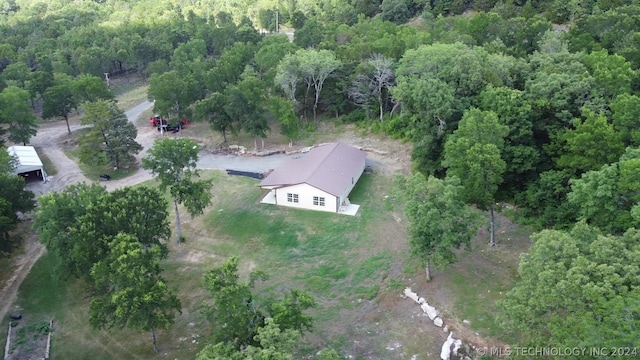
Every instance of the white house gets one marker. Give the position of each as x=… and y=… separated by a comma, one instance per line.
x=29, y=162
x=318, y=180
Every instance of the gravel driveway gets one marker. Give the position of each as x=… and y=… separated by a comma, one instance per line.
x=52, y=137
x=242, y=163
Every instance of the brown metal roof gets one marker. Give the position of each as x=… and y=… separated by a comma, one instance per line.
x=328, y=167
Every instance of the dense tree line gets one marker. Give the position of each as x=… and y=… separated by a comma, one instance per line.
x=501, y=105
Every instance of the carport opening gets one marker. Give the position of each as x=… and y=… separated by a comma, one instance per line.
x=33, y=176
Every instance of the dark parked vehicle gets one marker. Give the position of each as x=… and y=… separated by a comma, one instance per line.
x=158, y=120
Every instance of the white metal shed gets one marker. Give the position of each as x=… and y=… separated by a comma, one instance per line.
x=28, y=161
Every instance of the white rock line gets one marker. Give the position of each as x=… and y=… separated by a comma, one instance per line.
x=432, y=313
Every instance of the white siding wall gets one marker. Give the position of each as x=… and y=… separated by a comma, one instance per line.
x=351, y=185
x=305, y=198
x=269, y=198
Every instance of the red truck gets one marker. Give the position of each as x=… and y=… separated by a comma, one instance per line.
x=156, y=120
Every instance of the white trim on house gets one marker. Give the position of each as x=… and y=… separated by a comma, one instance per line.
x=302, y=197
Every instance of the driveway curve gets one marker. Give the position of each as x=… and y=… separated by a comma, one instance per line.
x=53, y=136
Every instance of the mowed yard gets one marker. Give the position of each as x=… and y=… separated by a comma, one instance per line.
x=345, y=262
x=355, y=267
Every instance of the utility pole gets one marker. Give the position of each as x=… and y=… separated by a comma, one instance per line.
x=106, y=76
x=277, y=28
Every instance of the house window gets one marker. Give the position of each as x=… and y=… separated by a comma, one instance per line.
x=318, y=201
x=292, y=198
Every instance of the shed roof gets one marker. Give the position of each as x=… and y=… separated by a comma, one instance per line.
x=329, y=167
x=28, y=159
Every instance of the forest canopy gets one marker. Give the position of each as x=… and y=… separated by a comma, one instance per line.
x=538, y=100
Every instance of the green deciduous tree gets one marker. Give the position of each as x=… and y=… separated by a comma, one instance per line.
x=520, y=152
x=545, y=200
x=432, y=101
x=78, y=223
x=242, y=330
x=608, y=198
x=284, y=113
x=429, y=107
x=272, y=50
x=397, y=11
x=625, y=110
x=439, y=219
x=173, y=93
x=288, y=313
x=592, y=143
x=288, y=75
x=90, y=88
x=17, y=74
x=576, y=288
x=13, y=198
x=173, y=163
x=458, y=65
x=612, y=73
x=12, y=190
x=310, y=35
x=188, y=54
x=557, y=89
x=315, y=67
x=230, y=66
x=234, y=313
x=130, y=290
x=246, y=103
x=274, y=343
x=58, y=102
x=473, y=153
x=57, y=216
x=7, y=224
x=211, y=109
x=38, y=83
x=15, y=111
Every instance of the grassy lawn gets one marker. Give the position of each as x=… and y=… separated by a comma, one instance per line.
x=93, y=170
x=322, y=253
x=355, y=267
x=49, y=167
x=347, y=263
x=480, y=277
x=129, y=91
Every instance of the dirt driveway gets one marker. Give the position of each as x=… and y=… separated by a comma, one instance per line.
x=53, y=136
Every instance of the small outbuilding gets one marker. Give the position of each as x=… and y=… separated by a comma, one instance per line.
x=319, y=180
x=29, y=163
